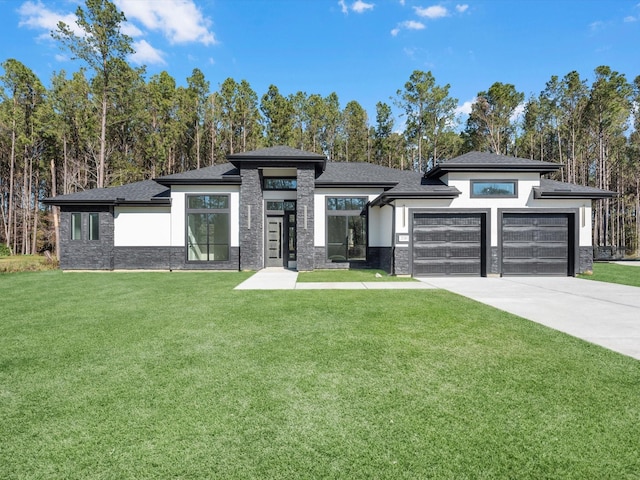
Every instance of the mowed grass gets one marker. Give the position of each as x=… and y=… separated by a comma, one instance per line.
x=176, y=375
x=615, y=273
x=353, y=275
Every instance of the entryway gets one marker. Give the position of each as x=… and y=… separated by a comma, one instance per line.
x=280, y=241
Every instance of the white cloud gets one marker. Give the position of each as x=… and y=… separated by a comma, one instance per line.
x=180, y=21
x=435, y=11
x=518, y=112
x=462, y=8
x=34, y=15
x=145, y=54
x=130, y=29
x=465, y=108
x=408, y=25
x=630, y=19
x=360, y=7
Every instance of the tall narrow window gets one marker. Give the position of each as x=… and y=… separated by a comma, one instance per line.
x=208, y=231
x=76, y=226
x=94, y=226
x=346, y=229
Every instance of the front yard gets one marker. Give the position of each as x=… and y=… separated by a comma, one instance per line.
x=176, y=375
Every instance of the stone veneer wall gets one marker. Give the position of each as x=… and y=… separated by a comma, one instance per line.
x=305, y=222
x=494, y=262
x=168, y=258
x=402, y=265
x=86, y=254
x=585, y=260
x=251, y=220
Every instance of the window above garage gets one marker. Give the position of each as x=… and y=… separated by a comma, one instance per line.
x=494, y=188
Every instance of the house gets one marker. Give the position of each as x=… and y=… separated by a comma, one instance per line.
x=477, y=214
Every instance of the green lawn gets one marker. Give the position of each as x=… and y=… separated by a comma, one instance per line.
x=614, y=273
x=176, y=375
x=356, y=275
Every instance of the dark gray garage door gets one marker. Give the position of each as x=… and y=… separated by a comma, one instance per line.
x=447, y=244
x=535, y=244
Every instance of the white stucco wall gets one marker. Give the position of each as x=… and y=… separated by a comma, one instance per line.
x=526, y=182
x=178, y=209
x=376, y=234
x=142, y=226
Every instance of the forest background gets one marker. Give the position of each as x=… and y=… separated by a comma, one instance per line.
x=108, y=123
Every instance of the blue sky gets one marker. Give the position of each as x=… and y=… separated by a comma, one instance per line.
x=364, y=50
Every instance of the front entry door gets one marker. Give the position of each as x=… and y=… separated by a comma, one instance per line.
x=274, y=242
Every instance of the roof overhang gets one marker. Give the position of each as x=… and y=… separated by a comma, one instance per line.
x=155, y=202
x=387, y=197
x=385, y=185
x=443, y=169
x=231, y=180
x=538, y=193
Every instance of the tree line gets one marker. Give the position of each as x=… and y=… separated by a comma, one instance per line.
x=107, y=124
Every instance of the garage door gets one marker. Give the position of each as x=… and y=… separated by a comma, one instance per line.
x=535, y=244
x=447, y=244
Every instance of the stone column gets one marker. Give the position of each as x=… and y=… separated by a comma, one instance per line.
x=305, y=229
x=251, y=220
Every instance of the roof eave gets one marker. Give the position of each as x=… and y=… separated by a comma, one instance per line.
x=201, y=181
x=439, y=170
x=110, y=202
x=329, y=184
x=387, y=198
x=563, y=195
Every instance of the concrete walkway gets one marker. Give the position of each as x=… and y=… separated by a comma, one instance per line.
x=282, y=279
x=606, y=314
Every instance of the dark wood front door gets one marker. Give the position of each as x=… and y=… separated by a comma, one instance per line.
x=274, y=242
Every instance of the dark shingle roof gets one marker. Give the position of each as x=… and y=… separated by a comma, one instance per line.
x=554, y=189
x=144, y=192
x=279, y=156
x=277, y=152
x=491, y=162
x=360, y=173
x=223, y=173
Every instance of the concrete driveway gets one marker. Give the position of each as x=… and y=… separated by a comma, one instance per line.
x=606, y=314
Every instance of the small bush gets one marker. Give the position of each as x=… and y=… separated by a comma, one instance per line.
x=5, y=251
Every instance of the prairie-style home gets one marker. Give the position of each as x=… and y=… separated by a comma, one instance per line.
x=477, y=214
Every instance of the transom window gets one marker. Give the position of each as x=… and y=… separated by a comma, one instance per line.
x=494, y=188
x=281, y=206
x=208, y=231
x=279, y=183
x=346, y=229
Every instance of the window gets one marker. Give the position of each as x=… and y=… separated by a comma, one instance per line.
x=76, y=226
x=494, y=188
x=275, y=183
x=346, y=229
x=281, y=206
x=94, y=226
x=208, y=228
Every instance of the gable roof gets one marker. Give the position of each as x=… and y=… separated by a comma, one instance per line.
x=490, y=162
x=223, y=173
x=146, y=192
x=554, y=189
